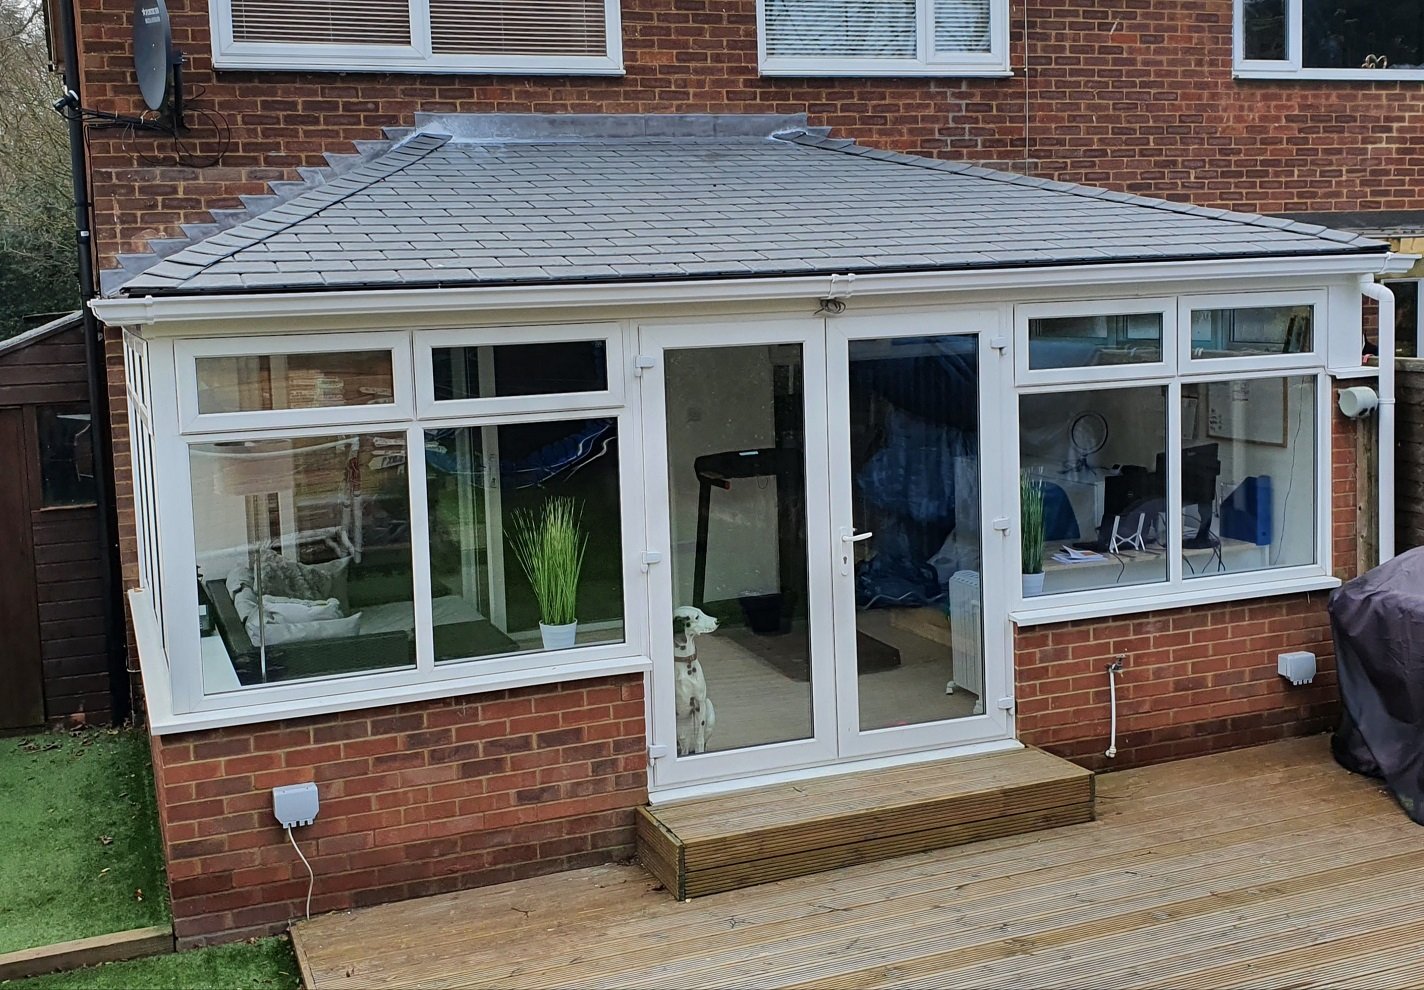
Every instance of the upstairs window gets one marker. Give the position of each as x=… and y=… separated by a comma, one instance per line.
x=524, y=36
x=883, y=37
x=1330, y=39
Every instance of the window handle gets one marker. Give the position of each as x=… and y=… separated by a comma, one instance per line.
x=851, y=536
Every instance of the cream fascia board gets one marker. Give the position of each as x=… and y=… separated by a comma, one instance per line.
x=154, y=310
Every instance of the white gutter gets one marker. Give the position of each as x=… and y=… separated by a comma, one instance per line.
x=1385, y=298
x=148, y=310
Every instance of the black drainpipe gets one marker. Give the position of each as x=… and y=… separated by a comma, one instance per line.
x=115, y=632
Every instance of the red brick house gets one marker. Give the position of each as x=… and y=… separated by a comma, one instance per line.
x=729, y=281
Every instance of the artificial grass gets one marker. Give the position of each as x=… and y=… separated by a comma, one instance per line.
x=266, y=964
x=79, y=846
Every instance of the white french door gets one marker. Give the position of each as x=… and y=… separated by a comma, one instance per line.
x=917, y=459
x=736, y=466
x=818, y=489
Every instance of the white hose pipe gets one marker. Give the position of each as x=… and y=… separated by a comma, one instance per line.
x=1113, y=669
x=1385, y=479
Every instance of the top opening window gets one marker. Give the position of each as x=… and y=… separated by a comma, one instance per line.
x=1252, y=331
x=1330, y=38
x=525, y=36
x=884, y=37
x=1095, y=340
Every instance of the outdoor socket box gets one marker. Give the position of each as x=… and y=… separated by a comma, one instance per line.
x=1298, y=668
x=296, y=804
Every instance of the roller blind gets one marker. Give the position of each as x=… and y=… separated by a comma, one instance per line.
x=840, y=28
x=518, y=27
x=961, y=26
x=322, y=22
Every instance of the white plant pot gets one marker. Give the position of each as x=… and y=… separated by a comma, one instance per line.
x=558, y=637
x=1033, y=584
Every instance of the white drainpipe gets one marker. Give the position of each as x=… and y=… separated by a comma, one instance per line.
x=1385, y=298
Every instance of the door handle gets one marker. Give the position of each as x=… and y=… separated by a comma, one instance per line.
x=849, y=536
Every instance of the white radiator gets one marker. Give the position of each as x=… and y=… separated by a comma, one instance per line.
x=966, y=637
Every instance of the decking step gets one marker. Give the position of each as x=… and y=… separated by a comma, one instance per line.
x=729, y=841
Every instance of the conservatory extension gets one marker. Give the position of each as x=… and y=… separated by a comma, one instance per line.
x=498, y=410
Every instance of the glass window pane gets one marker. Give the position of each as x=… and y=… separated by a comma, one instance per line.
x=1248, y=474
x=294, y=381
x=1264, y=29
x=1093, y=489
x=66, y=456
x=526, y=549
x=520, y=369
x=961, y=26
x=915, y=475
x=1086, y=341
x=1257, y=330
x=304, y=566
x=841, y=28
x=1406, y=320
x=741, y=626
x=1354, y=34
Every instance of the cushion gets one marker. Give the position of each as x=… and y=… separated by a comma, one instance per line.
x=280, y=609
x=295, y=632
x=287, y=578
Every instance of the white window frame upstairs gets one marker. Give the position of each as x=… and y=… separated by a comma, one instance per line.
x=1292, y=66
x=927, y=62
x=418, y=56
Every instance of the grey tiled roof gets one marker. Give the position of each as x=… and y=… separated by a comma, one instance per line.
x=680, y=197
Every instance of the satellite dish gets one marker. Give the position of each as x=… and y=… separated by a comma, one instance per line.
x=153, y=50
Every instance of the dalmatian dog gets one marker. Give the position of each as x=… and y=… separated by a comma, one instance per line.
x=695, y=714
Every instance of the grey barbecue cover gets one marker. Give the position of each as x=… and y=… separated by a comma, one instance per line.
x=1378, y=622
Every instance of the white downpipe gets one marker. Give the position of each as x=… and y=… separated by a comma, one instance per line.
x=1382, y=295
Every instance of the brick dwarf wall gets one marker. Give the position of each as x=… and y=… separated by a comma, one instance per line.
x=1197, y=680
x=416, y=799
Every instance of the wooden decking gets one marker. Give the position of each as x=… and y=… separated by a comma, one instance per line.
x=1260, y=868
x=714, y=844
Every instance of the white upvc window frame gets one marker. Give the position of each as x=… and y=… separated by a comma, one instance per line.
x=609, y=334
x=1179, y=589
x=188, y=352
x=418, y=56
x=993, y=63
x=1245, y=363
x=176, y=602
x=1165, y=306
x=1292, y=66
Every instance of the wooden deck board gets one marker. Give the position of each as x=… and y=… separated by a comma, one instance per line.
x=1260, y=868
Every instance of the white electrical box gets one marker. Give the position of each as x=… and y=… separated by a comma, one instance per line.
x=1298, y=667
x=295, y=804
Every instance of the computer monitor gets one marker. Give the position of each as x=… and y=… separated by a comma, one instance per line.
x=1201, y=466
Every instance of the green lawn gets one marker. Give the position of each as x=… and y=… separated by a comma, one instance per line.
x=79, y=846
x=267, y=964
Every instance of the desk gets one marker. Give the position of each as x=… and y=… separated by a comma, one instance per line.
x=1136, y=568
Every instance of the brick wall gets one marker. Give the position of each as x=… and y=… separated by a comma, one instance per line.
x=1196, y=680
x=1136, y=96
x=416, y=799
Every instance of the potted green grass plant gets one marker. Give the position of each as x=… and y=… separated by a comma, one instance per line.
x=549, y=543
x=1031, y=532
